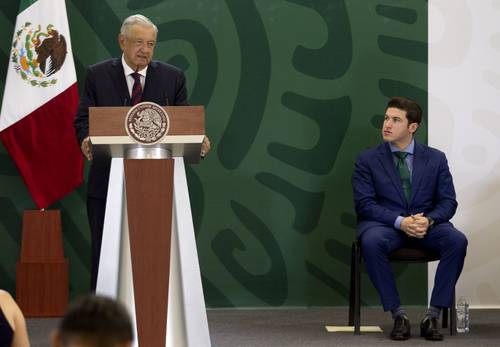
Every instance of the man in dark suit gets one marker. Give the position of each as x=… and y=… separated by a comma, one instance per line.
x=404, y=195
x=124, y=81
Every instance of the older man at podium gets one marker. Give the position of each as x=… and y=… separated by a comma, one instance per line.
x=125, y=81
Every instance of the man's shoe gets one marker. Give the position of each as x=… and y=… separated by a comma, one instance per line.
x=401, y=329
x=429, y=328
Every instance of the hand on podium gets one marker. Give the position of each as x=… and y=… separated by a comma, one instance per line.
x=87, y=148
x=205, y=147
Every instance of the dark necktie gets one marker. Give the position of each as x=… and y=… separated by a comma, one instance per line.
x=404, y=173
x=136, y=89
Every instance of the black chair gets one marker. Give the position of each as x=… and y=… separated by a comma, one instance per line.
x=402, y=255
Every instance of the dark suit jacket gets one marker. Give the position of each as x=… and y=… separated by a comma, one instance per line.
x=106, y=85
x=378, y=194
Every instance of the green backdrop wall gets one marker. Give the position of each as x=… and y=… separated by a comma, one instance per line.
x=293, y=91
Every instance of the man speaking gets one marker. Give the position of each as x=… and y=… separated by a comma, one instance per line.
x=124, y=81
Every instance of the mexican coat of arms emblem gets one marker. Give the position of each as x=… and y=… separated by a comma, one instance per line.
x=38, y=54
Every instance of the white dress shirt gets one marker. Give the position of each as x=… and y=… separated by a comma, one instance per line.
x=128, y=76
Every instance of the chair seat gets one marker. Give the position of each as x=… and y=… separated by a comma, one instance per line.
x=413, y=255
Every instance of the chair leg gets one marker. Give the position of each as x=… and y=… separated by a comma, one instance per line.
x=453, y=316
x=445, y=317
x=351, y=289
x=357, y=291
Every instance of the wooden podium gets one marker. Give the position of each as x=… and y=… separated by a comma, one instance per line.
x=148, y=255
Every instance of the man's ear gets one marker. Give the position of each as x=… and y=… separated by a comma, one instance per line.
x=55, y=339
x=121, y=41
x=413, y=127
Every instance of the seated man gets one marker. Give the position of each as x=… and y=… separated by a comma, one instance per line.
x=94, y=322
x=404, y=195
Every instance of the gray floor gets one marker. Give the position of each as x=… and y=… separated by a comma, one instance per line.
x=306, y=327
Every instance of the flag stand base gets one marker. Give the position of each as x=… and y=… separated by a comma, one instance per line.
x=42, y=288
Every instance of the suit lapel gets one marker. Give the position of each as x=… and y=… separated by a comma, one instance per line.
x=420, y=159
x=118, y=78
x=387, y=161
x=150, y=82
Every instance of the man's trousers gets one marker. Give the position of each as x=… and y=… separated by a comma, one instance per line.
x=378, y=242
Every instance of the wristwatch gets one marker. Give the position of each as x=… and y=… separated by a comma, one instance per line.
x=431, y=221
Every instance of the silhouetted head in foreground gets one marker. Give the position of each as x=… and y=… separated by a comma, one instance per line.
x=94, y=321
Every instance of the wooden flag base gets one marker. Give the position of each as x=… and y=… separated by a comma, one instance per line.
x=42, y=273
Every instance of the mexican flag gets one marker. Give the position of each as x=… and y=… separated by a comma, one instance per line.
x=40, y=102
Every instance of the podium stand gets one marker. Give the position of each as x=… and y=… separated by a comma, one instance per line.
x=148, y=256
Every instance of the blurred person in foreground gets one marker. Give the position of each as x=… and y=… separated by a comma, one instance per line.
x=94, y=321
x=13, y=332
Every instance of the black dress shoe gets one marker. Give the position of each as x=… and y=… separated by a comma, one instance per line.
x=429, y=328
x=401, y=329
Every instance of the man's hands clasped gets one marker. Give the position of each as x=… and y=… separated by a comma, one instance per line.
x=415, y=225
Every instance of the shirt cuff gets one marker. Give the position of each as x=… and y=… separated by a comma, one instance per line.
x=397, y=223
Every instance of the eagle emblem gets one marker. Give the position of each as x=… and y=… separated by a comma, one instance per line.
x=147, y=123
x=37, y=55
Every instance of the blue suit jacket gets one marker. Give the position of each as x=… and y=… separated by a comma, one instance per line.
x=378, y=193
x=106, y=85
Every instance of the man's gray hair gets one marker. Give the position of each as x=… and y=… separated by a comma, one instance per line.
x=136, y=19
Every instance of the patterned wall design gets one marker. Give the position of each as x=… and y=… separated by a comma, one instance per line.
x=293, y=91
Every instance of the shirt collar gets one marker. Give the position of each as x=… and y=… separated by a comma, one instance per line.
x=409, y=149
x=129, y=71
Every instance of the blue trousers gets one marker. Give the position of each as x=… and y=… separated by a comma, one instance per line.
x=444, y=239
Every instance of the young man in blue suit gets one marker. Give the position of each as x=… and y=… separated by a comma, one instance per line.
x=124, y=81
x=404, y=195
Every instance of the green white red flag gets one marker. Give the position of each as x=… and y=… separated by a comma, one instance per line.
x=40, y=101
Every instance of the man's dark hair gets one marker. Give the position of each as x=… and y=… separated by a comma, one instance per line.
x=413, y=110
x=97, y=321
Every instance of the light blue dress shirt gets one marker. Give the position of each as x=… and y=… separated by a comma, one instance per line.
x=409, y=162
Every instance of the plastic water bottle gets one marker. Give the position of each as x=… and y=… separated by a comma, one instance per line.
x=462, y=315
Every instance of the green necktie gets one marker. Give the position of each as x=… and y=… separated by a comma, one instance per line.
x=404, y=173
